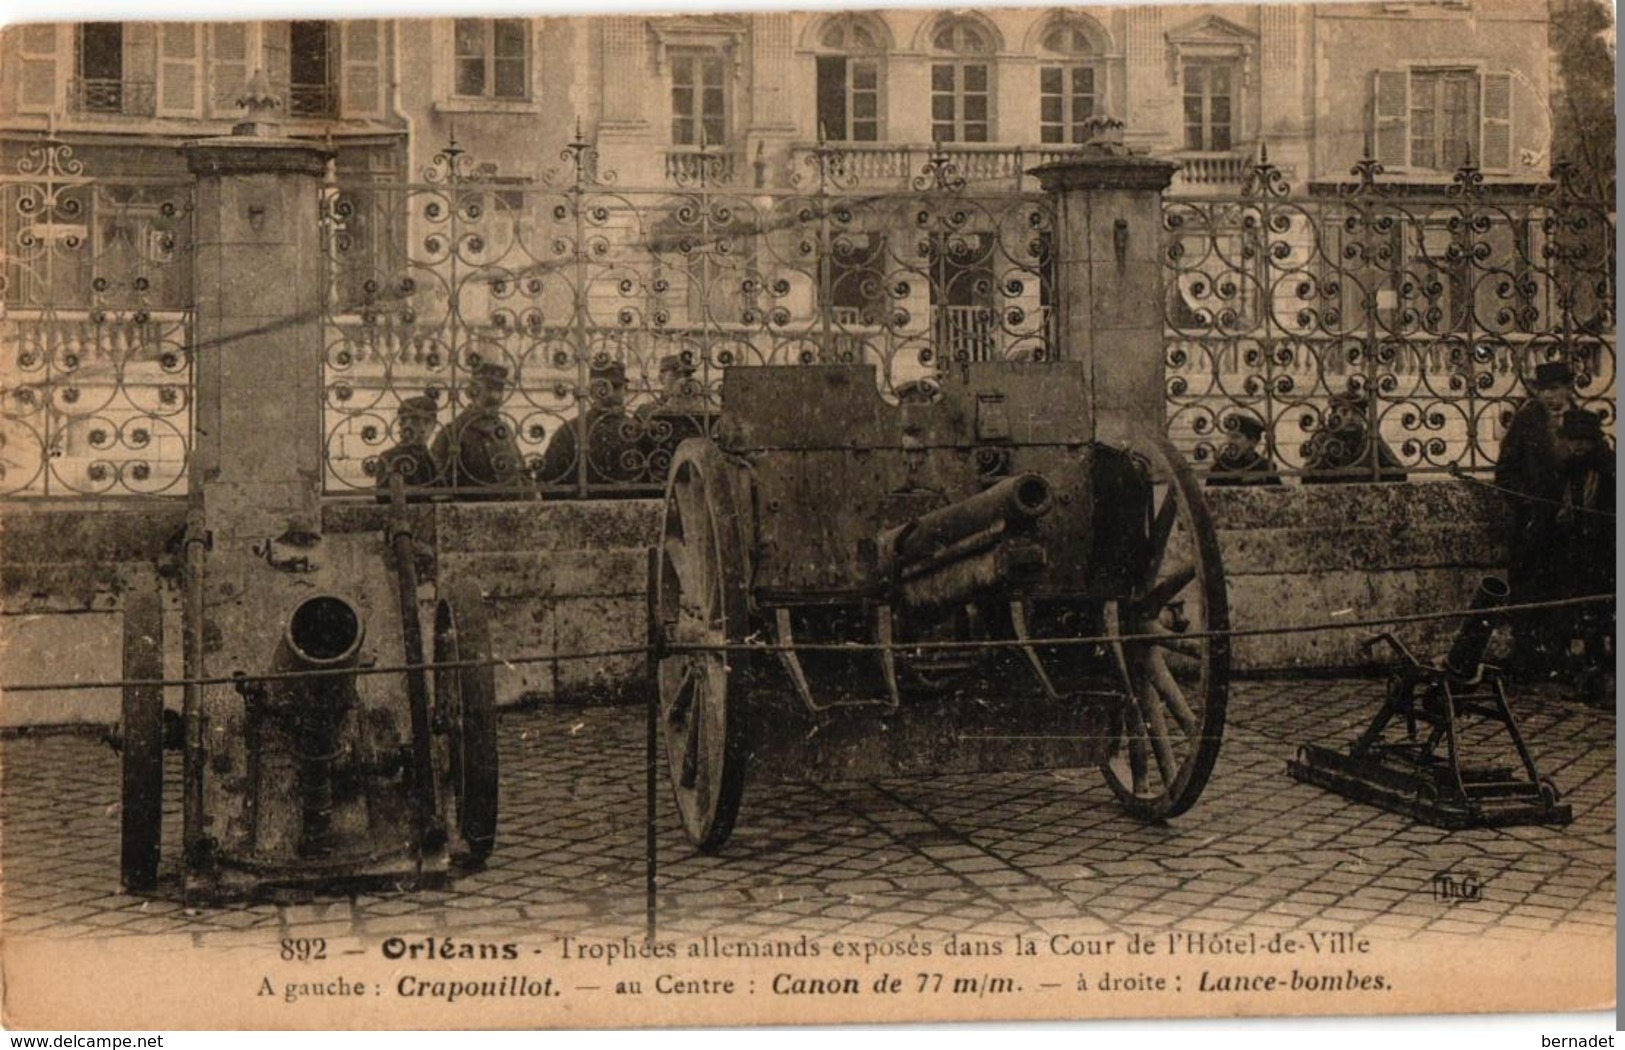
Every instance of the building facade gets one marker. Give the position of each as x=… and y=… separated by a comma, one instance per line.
x=97, y=288
x=1422, y=85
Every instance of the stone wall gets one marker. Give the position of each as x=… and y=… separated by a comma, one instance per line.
x=1325, y=553
x=569, y=578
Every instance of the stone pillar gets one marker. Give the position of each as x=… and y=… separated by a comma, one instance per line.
x=258, y=368
x=1109, y=281
x=254, y=546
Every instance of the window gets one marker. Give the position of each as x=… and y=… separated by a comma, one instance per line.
x=1437, y=119
x=699, y=102
x=857, y=279
x=310, y=86
x=849, y=82
x=848, y=99
x=101, y=67
x=491, y=59
x=1210, y=106
x=1066, y=101
x=961, y=88
x=964, y=314
x=1067, y=91
x=1444, y=117
x=1218, y=286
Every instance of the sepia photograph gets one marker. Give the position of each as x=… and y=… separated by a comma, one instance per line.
x=767, y=516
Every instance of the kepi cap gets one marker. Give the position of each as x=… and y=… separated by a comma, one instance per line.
x=491, y=371
x=422, y=405
x=677, y=363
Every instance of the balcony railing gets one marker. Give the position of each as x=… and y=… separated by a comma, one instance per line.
x=1222, y=170
x=897, y=165
x=685, y=165
x=130, y=98
x=967, y=333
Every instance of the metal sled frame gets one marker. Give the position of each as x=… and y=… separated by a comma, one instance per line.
x=1425, y=777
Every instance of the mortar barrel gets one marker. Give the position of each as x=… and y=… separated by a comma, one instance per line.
x=324, y=633
x=1473, y=639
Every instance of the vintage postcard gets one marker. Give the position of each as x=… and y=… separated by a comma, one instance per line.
x=814, y=516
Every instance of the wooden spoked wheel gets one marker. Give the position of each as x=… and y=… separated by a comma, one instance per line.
x=1175, y=685
x=141, y=753
x=466, y=698
x=700, y=602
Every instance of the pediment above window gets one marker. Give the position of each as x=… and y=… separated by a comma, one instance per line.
x=724, y=33
x=1212, y=38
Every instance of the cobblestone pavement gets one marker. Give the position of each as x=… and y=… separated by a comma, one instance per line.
x=983, y=854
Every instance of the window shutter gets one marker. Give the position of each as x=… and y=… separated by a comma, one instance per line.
x=180, y=80
x=363, y=80
x=141, y=60
x=1390, y=110
x=36, y=80
x=278, y=69
x=228, y=65
x=1496, y=139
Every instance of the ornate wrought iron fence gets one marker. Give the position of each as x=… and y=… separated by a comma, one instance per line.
x=1374, y=333
x=606, y=315
x=95, y=330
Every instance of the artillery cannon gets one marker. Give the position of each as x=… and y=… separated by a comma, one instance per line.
x=300, y=770
x=835, y=571
x=305, y=766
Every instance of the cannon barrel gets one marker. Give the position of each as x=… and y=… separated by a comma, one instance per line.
x=294, y=723
x=1473, y=639
x=934, y=537
x=323, y=633
x=948, y=555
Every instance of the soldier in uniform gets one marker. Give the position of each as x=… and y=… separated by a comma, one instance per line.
x=678, y=412
x=478, y=450
x=1344, y=449
x=1529, y=471
x=611, y=434
x=1240, y=460
x=1584, y=535
x=410, y=456
x=680, y=393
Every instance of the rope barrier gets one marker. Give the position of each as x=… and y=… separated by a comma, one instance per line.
x=842, y=647
x=1246, y=632
x=1461, y=475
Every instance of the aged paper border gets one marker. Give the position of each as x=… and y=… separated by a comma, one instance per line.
x=83, y=985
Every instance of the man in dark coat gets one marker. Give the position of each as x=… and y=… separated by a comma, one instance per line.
x=613, y=452
x=1584, y=537
x=410, y=456
x=477, y=450
x=1240, y=460
x=1528, y=470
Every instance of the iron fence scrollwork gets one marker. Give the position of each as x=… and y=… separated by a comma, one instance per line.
x=95, y=379
x=609, y=314
x=1377, y=331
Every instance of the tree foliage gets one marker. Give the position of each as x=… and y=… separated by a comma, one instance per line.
x=1582, y=43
